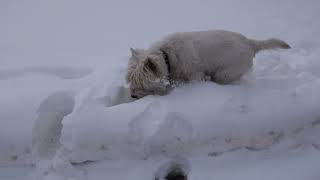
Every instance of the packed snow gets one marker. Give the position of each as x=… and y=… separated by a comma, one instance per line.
x=66, y=112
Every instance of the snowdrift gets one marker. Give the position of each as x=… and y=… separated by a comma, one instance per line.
x=278, y=101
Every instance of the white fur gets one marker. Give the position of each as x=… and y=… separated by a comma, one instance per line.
x=218, y=55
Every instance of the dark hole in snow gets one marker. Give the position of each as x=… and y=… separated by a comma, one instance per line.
x=176, y=174
x=177, y=169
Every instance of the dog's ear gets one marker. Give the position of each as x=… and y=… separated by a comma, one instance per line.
x=151, y=65
x=134, y=53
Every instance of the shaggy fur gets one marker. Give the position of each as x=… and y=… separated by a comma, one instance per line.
x=216, y=55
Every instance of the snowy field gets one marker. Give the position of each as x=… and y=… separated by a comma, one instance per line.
x=65, y=113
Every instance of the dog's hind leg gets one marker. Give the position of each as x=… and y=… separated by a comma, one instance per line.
x=198, y=76
x=228, y=75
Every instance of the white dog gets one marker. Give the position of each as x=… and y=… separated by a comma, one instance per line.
x=216, y=55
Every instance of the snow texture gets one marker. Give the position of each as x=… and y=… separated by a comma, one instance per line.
x=48, y=125
x=66, y=112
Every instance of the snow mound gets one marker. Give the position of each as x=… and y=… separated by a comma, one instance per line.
x=173, y=136
x=269, y=105
x=48, y=124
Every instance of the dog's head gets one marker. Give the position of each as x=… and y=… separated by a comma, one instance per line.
x=147, y=73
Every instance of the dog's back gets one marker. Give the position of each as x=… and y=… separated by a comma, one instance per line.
x=217, y=53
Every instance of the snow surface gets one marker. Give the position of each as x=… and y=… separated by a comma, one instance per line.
x=65, y=111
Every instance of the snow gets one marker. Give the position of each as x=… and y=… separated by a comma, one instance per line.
x=47, y=127
x=66, y=113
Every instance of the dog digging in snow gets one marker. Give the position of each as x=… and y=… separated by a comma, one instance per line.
x=217, y=55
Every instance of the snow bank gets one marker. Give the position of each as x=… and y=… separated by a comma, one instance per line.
x=293, y=165
x=20, y=99
x=274, y=108
x=272, y=103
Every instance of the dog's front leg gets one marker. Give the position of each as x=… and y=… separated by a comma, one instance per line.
x=199, y=76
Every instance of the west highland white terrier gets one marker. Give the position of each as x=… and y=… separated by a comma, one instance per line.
x=216, y=55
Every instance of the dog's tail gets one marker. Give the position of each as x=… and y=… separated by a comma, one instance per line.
x=273, y=43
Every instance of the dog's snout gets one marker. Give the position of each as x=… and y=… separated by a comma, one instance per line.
x=134, y=96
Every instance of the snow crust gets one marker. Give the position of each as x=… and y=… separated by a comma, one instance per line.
x=66, y=112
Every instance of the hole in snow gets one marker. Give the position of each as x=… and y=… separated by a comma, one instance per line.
x=177, y=169
x=176, y=174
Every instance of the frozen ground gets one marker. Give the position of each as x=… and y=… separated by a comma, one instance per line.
x=65, y=113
